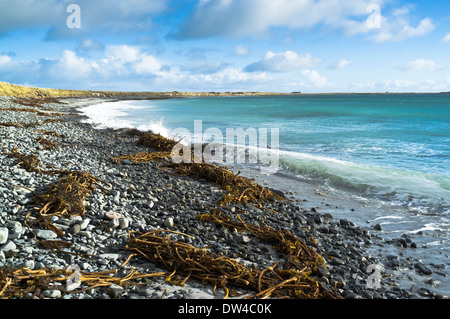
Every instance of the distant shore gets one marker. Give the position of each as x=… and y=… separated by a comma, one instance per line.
x=12, y=90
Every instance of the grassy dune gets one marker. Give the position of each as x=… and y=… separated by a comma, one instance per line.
x=7, y=89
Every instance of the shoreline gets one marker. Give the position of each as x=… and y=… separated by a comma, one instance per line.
x=141, y=193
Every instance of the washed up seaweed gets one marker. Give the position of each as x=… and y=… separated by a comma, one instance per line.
x=49, y=112
x=47, y=144
x=17, y=124
x=298, y=254
x=50, y=133
x=143, y=157
x=65, y=198
x=29, y=162
x=238, y=189
x=188, y=261
x=28, y=283
x=156, y=142
x=36, y=102
x=52, y=120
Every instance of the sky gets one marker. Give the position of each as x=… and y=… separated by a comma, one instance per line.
x=310, y=46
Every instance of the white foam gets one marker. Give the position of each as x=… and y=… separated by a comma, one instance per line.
x=110, y=114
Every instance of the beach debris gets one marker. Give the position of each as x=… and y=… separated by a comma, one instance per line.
x=143, y=157
x=29, y=162
x=65, y=198
x=47, y=144
x=298, y=254
x=188, y=261
x=238, y=189
x=36, y=102
x=52, y=120
x=23, y=281
x=156, y=142
x=17, y=124
x=29, y=110
x=50, y=133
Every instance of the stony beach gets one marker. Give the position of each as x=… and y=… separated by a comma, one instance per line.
x=143, y=197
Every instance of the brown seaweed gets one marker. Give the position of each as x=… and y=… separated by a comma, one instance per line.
x=221, y=271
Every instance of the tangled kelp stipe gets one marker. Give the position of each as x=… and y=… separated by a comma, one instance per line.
x=239, y=189
x=156, y=141
x=29, y=162
x=188, y=261
x=27, y=283
x=66, y=197
x=297, y=253
x=143, y=157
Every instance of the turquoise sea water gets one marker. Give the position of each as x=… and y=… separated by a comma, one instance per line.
x=393, y=147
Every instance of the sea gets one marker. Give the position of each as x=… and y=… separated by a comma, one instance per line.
x=388, y=155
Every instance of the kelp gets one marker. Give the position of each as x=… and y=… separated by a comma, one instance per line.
x=47, y=144
x=52, y=120
x=17, y=124
x=29, y=162
x=36, y=102
x=156, y=142
x=24, y=282
x=50, y=133
x=298, y=254
x=143, y=157
x=29, y=110
x=238, y=189
x=221, y=271
x=65, y=198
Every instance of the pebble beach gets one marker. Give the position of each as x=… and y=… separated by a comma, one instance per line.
x=143, y=197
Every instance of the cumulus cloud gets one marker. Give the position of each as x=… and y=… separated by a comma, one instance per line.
x=314, y=79
x=126, y=67
x=397, y=27
x=283, y=62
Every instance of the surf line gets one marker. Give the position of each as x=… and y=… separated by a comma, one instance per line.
x=237, y=150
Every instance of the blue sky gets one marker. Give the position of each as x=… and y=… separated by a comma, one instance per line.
x=227, y=45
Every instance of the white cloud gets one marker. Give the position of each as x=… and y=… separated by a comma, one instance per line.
x=340, y=64
x=240, y=50
x=421, y=65
x=4, y=59
x=89, y=44
x=147, y=64
x=241, y=18
x=283, y=62
x=397, y=27
x=314, y=79
x=252, y=17
x=446, y=38
x=105, y=15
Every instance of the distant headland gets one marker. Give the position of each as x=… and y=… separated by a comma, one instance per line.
x=7, y=89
